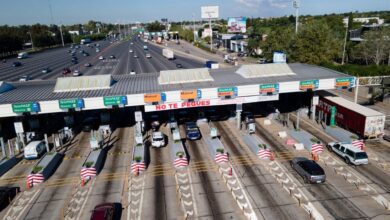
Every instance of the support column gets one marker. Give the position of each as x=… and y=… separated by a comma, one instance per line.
x=47, y=143
x=356, y=90
x=238, y=118
x=298, y=113
x=3, y=147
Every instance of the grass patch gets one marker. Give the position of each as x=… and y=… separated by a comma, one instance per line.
x=314, y=140
x=89, y=164
x=50, y=153
x=220, y=150
x=354, y=137
x=180, y=154
x=262, y=146
x=36, y=169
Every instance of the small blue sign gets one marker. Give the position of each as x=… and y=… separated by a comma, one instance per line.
x=235, y=91
x=80, y=103
x=35, y=107
x=163, y=97
x=199, y=94
x=124, y=100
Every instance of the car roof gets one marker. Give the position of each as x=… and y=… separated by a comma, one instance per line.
x=352, y=148
x=157, y=134
x=32, y=143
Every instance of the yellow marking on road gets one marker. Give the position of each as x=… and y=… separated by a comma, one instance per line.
x=284, y=155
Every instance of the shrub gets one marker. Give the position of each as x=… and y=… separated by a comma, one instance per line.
x=180, y=154
x=220, y=150
x=138, y=159
x=36, y=169
x=89, y=164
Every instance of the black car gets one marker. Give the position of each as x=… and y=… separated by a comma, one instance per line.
x=74, y=58
x=90, y=123
x=85, y=54
x=74, y=62
x=7, y=194
x=310, y=171
x=112, y=57
x=16, y=64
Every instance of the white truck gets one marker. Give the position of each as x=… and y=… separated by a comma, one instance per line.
x=34, y=150
x=168, y=54
x=22, y=55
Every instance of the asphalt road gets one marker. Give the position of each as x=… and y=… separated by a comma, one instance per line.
x=123, y=63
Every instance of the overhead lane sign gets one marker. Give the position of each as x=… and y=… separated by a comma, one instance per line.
x=26, y=107
x=309, y=84
x=346, y=82
x=269, y=89
x=190, y=94
x=115, y=100
x=71, y=103
x=227, y=92
x=155, y=97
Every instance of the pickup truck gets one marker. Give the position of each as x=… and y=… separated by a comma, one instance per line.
x=350, y=153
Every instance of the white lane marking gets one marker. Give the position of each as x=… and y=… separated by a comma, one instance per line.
x=24, y=206
x=86, y=198
x=195, y=212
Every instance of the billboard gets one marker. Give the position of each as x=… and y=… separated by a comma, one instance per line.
x=209, y=12
x=237, y=25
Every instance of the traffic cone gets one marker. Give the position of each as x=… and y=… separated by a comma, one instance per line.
x=231, y=171
x=82, y=182
x=28, y=184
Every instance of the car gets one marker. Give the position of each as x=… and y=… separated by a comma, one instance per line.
x=350, y=153
x=179, y=65
x=192, y=131
x=112, y=57
x=74, y=58
x=87, y=64
x=131, y=43
x=148, y=55
x=16, y=64
x=310, y=171
x=74, y=61
x=90, y=123
x=135, y=56
x=46, y=70
x=85, y=54
x=131, y=51
x=105, y=211
x=101, y=58
x=132, y=72
x=7, y=194
x=76, y=73
x=386, y=137
x=158, y=139
x=66, y=71
x=97, y=50
x=35, y=149
x=247, y=117
x=25, y=78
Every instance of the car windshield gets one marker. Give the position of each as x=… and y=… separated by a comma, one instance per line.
x=158, y=139
x=311, y=167
x=361, y=155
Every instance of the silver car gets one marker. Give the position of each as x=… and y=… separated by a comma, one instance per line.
x=310, y=171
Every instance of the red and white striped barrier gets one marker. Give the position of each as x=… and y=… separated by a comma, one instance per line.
x=264, y=154
x=35, y=179
x=221, y=158
x=138, y=167
x=317, y=148
x=180, y=162
x=87, y=173
x=359, y=144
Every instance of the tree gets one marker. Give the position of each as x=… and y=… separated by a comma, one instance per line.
x=375, y=46
x=155, y=27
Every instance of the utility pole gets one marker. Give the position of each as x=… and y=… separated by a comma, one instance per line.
x=296, y=6
x=345, y=21
x=211, y=35
x=32, y=44
x=62, y=37
x=193, y=25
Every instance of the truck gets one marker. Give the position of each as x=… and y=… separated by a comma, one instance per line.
x=363, y=121
x=85, y=41
x=22, y=55
x=212, y=64
x=168, y=54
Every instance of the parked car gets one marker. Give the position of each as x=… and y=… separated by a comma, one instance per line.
x=158, y=139
x=192, y=131
x=76, y=73
x=310, y=171
x=7, y=194
x=66, y=71
x=34, y=150
x=85, y=54
x=46, y=70
x=350, y=153
x=16, y=64
x=179, y=65
x=25, y=78
x=105, y=211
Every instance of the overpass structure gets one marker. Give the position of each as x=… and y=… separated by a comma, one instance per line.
x=166, y=90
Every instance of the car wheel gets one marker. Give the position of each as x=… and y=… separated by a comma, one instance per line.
x=347, y=161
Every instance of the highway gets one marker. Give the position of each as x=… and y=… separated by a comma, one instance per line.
x=123, y=63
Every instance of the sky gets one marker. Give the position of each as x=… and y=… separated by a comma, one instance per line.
x=17, y=12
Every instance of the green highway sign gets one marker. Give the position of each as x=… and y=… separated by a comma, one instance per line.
x=114, y=100
x=25, y=107
x=71, y=103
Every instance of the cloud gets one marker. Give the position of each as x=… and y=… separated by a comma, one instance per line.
x=249, y=3
x=279, y=3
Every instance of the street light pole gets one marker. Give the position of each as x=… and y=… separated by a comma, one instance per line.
x=345, y=21
x=32, y=44
x=62, y=36
x=193, y=25
x=296, y=6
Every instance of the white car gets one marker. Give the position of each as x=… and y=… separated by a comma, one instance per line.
x=148, y=55
x=101, y=58
x=350, y=153
x=132, y=72
x=76, y=73
x=24, y=78
x=158, y=139
x=131, y=51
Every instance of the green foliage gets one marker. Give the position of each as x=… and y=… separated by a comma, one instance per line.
x=88, y=164
x=138, y=159
x=314, y=140
x=354, y=137
x=180, y=154
x=360, y=70
x=155, y=27
x=36, y=169
x=220, y=150
x=93, y=37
